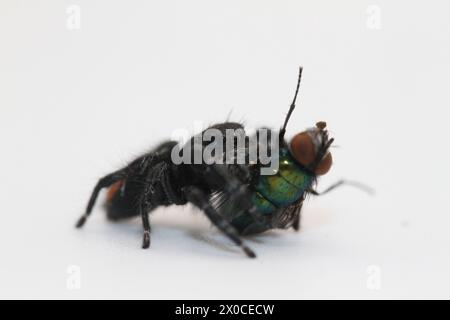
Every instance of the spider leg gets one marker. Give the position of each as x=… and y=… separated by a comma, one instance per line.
x=145, y=207
x=144, y=212
x=150, y=198
x=200, y=199
x=104, y=182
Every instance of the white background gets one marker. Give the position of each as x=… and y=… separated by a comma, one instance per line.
x=77, y=104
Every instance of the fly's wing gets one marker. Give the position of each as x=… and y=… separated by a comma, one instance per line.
x=289, y=216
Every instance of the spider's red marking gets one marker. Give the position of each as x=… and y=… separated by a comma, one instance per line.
x=113, y=190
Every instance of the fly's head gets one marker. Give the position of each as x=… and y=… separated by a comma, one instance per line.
x=310, y=148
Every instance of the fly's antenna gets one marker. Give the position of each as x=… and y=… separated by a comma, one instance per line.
x=292, y=107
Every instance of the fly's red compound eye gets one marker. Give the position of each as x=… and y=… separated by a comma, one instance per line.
x=303, y=149
x=324, y=165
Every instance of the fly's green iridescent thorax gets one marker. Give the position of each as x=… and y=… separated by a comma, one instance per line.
x=283, y=188
x=280, y=190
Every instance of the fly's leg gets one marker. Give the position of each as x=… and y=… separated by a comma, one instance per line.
x=341, y=183
x=296, y=223
x=200, y=199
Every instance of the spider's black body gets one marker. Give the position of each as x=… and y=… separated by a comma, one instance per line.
x=236, y=198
